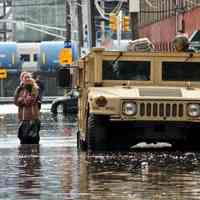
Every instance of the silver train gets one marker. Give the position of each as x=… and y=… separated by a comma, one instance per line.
x=41, y=56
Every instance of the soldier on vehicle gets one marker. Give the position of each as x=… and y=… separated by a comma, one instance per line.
x=181, y=43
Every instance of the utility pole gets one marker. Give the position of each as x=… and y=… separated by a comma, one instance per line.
x=80, y=23
x=134, y=10
x=92, y=23
x=68, y=24
x=134, y=25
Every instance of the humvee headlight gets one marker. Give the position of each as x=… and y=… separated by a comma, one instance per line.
x=193, y=110
x=129, y=108
x=101, y=101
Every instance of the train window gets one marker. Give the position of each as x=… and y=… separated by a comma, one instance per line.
x=35, y=57
x=25, y=57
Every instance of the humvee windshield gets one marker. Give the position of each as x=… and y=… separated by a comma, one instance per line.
x=181, y=71
x=126, y=70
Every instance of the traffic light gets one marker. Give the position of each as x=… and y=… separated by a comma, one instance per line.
x=125, y=24
x=85, y=36
x=113, y=22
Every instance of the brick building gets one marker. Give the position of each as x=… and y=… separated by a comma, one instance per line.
x=160, y=20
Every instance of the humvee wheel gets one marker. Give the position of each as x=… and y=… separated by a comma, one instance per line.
x=96, y=132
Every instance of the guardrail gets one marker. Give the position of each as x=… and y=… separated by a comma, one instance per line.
x=45, y=99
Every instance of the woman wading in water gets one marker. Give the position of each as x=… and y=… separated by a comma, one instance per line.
x=27, y=99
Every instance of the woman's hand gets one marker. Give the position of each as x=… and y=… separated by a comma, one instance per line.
x=29, y=100
x=20, y=101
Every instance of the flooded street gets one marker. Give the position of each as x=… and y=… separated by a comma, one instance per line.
x=55, y=169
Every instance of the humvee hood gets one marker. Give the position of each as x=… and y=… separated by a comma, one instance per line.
x=145, y=92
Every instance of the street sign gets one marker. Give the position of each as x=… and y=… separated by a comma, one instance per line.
x=65, y=56
x=67, y=44
x=3, y=73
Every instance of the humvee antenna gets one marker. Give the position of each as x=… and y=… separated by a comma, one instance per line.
x=116, y=59
x=190, y=56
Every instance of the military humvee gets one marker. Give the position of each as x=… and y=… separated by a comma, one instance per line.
x=131, y=97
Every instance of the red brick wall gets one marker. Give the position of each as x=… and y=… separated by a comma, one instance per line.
x=192, y=20
x=162, y=33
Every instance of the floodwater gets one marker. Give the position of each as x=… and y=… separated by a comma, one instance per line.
x=55, y=169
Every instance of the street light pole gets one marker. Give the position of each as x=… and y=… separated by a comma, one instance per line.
x=68, y=24
x=36, y=27
x=134, y=25
x=134, y=8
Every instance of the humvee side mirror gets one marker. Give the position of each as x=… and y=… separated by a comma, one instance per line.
x=64, y=77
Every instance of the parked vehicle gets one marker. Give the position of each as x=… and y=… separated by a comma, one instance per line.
x=69, y=103
x=131, y=97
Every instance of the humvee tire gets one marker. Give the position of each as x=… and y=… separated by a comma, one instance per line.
x=97, y=132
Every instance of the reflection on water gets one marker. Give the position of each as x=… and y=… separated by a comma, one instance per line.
x=145, y=175
x=55, y=169
x=29, y=172
x=55, y=130
x=45, y=171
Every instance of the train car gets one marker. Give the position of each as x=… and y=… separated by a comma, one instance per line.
x=9, y=58
x=28, y=54
x=49, y=51
x=41, y=56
